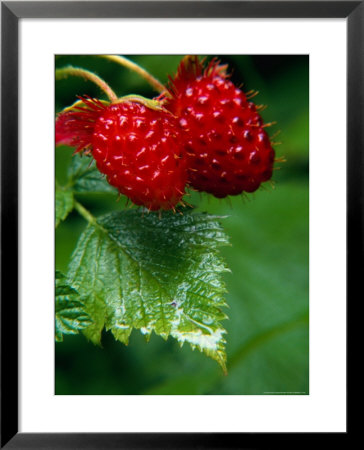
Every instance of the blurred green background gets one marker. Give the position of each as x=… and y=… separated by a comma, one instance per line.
x=267, y=340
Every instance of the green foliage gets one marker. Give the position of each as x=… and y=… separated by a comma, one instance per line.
x=135, y=269
x=267, y=330
x=84, y=177
x=153, y=274
x=64, y=205
x=71, y=316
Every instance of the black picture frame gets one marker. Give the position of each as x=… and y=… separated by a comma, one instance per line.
x=11, y=12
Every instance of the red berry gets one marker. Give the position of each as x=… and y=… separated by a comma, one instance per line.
x=228, y=149
x=75, y=126
x=136, y=147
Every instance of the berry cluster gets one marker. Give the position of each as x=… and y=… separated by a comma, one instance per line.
x=203, y=132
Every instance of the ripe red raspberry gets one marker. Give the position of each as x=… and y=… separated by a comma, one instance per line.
x=228, y=149
x=75, y=125
x=136, y=147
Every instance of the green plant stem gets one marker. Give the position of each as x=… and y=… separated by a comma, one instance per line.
x=77, y=72
x=85, y=213
x=156, y=84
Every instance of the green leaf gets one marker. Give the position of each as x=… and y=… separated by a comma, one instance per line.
x=71, y=316
x=154, y=274
x=64, y=205
x=85, y=177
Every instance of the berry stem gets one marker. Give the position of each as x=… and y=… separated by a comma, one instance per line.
x=151, y=104
x=125, y=62
x=77, y=72
x=84, y=213
x=88, y=216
